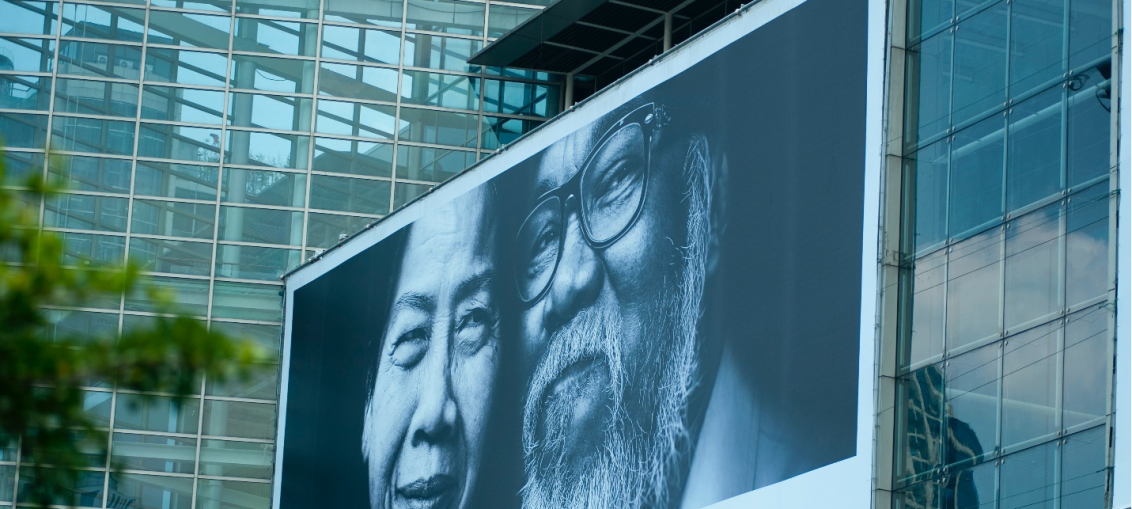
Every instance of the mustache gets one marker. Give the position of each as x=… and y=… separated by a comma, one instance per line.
x=593, y=333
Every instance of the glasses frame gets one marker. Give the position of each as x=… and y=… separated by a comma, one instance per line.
x=650, y=117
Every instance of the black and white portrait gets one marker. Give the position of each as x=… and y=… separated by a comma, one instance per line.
x=659, y=309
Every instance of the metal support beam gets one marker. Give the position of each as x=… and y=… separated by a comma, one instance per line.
x=569, y=94
x=667, y=31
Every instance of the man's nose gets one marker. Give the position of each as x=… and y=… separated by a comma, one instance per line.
x=577, y=282
x=434, y=420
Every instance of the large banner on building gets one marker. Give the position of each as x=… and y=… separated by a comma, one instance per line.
x=653, y=301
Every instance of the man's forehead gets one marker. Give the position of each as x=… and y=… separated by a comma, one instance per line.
x=563, y=159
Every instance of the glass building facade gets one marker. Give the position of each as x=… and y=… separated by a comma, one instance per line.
x=998, y=279
x=215, y=144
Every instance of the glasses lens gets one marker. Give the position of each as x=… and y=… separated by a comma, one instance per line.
x=537, y=248
x=614, y=183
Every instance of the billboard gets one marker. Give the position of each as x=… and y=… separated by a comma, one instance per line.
x=653, y=301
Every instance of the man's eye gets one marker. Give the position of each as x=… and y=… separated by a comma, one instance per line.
x=543, y=250
x=617, y=182
x=474, y=329
x=409, y=348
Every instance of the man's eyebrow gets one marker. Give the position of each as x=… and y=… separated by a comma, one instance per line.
x=414, y=301
x=472, y=284
x=543, y=186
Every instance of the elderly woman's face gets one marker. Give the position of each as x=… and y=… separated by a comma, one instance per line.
x=425, y=423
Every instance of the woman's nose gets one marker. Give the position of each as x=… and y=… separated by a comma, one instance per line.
x=435, y=418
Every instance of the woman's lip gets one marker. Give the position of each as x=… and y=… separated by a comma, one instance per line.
x=430, y=488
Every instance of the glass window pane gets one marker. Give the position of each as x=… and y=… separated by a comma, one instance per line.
x=19, y=166
x=171, y=256
x=267, y=149
x=189, y=29
x=156, y=492
x=223, y=458
x=224, y=494
x=189, y=296
x=23, y=17
x=197, y=182
x=272, y=74
x=81, y=173
x=279, y=8
x=25, y=92
x=261, y=384
x=1087, y=359
x=73, y=325
x=976, y=175
x=7, y=479
x=358, y=82
x=96, y=404
x=264, y=187
x=447, y=16
x=267, y=226
x=349, y=194
x=97, y=59
x=972, y=488
x=86, y=212
x=971, y=404
x=1033, y=266
x=85, y=492
x=353, y=157
x=251, y=262
x=155, y=453
x=446, y=90
x=1088, y=128
x=372, y=12
x=92, y=135
x=269, y=112
x=353, y=119
x=1034, y=161
x=926, y=16
x=974, y=289
x=85, y=248
x=920, y=440
x=1090, y=32
x=103, y=22
x=1083, y=473
x=406, y=192
x=33, y=55
x=1029, y=385
x=926, y=335
x=200, y=5
x=237, y=419
x=156, y=413
x=439, y=127
x=928, y=180
x=353, y=43
x=505, y=17
x=980, y=64
x=178, y=142
x=182, y=104
x=1026, y=479
x=1086, y=268
x=436, y=52
x=24, y=131
x=268, y=337
x=326, y=230
x=929, y=89
x=173, y=219
x=502, y=131
x=277, y=37
x=1036, y=43
x=431, y=164
x=185, y=67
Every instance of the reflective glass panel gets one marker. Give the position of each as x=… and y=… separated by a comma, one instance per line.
x=268, y=149
x=268, y=226
x=364, y=45
x=83, y=491
x=277, y=37
x=929, y=89
x=1033, y=266
x=272, y=74
x=103, y=22
x=279, y=8
x=96, y=59
x=1090, y=32
x=1036, y=43
x=436, y=52
x=224, y=458
x=185, y=67
x=19, y=166
x=156, y=492
x=325, y=230
x=190, y=296
x=1087, y=359
x=268, y=337
x=182, y=104
x=446, y=90
x=1029, y=385
x=447, y=16
x=73, y=325
x=920, y=440
x=178, y=142
x=439, y=127
x=928, y=180
x=84, y=249
x=972, y=404
x=34, y=55
x=353, y=157
x=173, y=219
x=980, y=64
x=24, y=130
x=156, y=413
x=1089, y=128
x=169, y=180
x=86, y=212
x=498, y=131
x=431, y=164
x=264, y=187
x=358, y=82
x=189, y=29
x=405, y=192
x=973, y=289
x=375, y=12
x=926, y=16
x=233, y=494
x=25, y=92
x=354, y=119
x=82, y=173
x=505, y=17
x=23, y=17
x=1083, y=473
x=269, y=111
x=1033, y=170
x=96, y=98
x=1026, y=479
x=155, y=453
x=237, y=419
x=518, y=98
x=7, y=477
x=93, y=135
x=200, y=5
x=253, y=262
x=1086, y=245
x=928, y=285
x=976, y=175
x=171, y=256
x=349, y=194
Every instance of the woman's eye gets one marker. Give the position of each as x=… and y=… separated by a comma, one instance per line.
x=409, y=348
x=474, y=330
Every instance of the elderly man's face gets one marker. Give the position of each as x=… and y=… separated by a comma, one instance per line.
x=609, y=343
x=426, y=420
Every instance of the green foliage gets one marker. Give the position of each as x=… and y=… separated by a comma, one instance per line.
x=41, y=373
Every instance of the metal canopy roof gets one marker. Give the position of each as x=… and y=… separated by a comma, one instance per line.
x=591, y=37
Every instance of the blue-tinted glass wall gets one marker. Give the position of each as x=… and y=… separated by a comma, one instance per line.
x=1005, y=343
x=216, y=143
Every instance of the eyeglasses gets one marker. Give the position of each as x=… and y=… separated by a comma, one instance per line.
x=609, y=192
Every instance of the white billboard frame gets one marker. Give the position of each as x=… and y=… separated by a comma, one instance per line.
x=846, y=483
